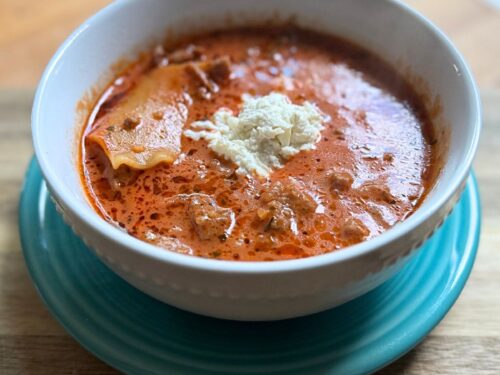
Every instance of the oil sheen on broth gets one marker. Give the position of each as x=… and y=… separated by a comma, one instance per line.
x=370, y=169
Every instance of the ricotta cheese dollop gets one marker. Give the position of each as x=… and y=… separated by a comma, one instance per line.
x=268, y=130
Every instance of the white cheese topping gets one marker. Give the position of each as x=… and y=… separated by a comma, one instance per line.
x=267, y=131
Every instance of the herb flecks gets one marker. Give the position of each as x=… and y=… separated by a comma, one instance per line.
x=215, y=254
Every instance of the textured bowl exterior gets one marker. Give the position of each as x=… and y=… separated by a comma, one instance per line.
x=253, y=291
x=139, y=335
x=258, y=296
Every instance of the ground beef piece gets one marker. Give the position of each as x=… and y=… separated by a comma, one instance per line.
x=204, y=87
x=282, y=203
x=209, y=220
x=279, y=217
x=340, y=181
x=378, y=193
x=354, y=230
x=219, y=70
x=201, y=78
x=388, y=157
x=207, y=76
x=293, y=194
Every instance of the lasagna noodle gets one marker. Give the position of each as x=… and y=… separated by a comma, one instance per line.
x=144, y=128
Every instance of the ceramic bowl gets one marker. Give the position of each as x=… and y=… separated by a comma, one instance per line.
x=253, y=290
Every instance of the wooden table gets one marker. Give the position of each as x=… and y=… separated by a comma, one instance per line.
x=467, y=341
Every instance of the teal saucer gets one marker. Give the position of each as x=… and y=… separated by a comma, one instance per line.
x=139, y=335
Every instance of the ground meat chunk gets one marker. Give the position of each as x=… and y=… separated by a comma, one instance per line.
x=282, y=203
x=378, y=193
x=219, y=70
x=354, y=230
x=201, y=78
x=340, y=181
x=209, y=75
x=209, y=220
x=279, y=217
x=388, y=157
x=292, y=194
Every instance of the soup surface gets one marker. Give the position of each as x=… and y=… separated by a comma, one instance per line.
x=370, y=168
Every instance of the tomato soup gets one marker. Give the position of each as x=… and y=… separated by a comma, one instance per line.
x=369, y=169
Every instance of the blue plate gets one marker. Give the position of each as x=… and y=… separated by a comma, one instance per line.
x=139, y=335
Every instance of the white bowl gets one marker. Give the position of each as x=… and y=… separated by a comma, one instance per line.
x=252, y=290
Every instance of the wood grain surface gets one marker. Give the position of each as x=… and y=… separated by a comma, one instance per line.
x=31, y=31
x=467, y=341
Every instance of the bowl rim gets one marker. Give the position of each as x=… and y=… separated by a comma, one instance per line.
x=132, y=244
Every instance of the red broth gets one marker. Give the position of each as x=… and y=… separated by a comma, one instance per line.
x=371, y=168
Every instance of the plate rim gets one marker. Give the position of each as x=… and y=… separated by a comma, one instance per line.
x=469, y=253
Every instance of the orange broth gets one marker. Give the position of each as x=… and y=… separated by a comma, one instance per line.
x=370, y=170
